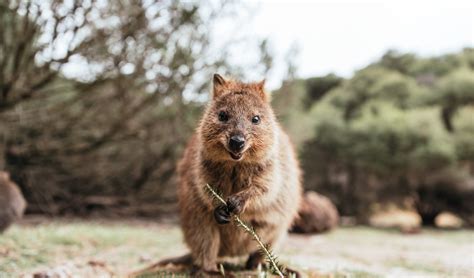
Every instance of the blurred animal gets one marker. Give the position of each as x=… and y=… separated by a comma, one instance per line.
x=316, y=214
x=12, y=203
x=240, y=149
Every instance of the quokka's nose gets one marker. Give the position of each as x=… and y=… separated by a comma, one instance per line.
x=236, y=143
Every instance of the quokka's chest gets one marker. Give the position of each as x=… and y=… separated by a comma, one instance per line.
x=230, y=179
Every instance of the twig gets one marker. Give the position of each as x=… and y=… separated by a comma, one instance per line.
x=249, y=229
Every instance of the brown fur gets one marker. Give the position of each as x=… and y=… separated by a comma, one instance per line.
x=317, y=214
x=12, y=203
x=263, y=186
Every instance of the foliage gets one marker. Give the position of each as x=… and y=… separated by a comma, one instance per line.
x=99, y=97
x=400, y=128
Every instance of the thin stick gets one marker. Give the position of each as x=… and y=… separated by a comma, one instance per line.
x=251, y=231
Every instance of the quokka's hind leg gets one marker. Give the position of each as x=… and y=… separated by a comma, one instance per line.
x=204, y=250
x=258, y=258
x=273, y=238
x=203, y=238
x=254, y=260
x=293, y=273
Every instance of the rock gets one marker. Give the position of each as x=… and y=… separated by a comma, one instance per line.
x=317, y=214
x=448, y=220
x=394, y=217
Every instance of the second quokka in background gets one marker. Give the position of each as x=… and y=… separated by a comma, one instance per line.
x=12, y=203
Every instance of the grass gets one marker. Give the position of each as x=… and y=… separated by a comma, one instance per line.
x=116, y=248
x=119, y=246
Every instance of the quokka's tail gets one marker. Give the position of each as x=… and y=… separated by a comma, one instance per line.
x=185, y=260
x=181, y=260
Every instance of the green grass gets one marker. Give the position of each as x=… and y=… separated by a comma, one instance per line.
x=26, y=248
x=94, y=248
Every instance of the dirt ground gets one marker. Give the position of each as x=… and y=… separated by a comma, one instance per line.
x=116, y=248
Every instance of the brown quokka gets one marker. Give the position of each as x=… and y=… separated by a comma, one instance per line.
x=239, y=149
x=12, y=203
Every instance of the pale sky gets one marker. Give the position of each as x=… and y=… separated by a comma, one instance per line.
x=342, y=36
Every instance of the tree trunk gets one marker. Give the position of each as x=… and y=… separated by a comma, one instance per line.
x=446, y=115
x=428, y=219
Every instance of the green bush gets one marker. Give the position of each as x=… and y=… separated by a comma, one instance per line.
x=399, y=129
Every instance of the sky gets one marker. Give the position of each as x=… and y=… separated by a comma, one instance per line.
x=342, y=36
x=339, y=36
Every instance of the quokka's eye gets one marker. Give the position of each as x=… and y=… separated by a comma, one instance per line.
x=256, y=119
x=223, y=117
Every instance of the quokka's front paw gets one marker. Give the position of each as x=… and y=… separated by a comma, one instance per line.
x=222, y=214
x=235, y=204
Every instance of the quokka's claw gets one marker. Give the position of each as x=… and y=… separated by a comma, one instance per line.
x=222, y=214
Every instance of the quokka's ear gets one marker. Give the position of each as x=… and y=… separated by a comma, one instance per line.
x=260, y=86
x=219, y=84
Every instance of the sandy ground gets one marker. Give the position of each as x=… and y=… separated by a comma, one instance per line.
x=116, y=248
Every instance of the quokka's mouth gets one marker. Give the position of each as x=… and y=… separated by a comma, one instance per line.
x=236, y=156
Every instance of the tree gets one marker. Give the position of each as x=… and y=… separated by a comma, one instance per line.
x=99, y=97
x=390, y=134
x=454, y=91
